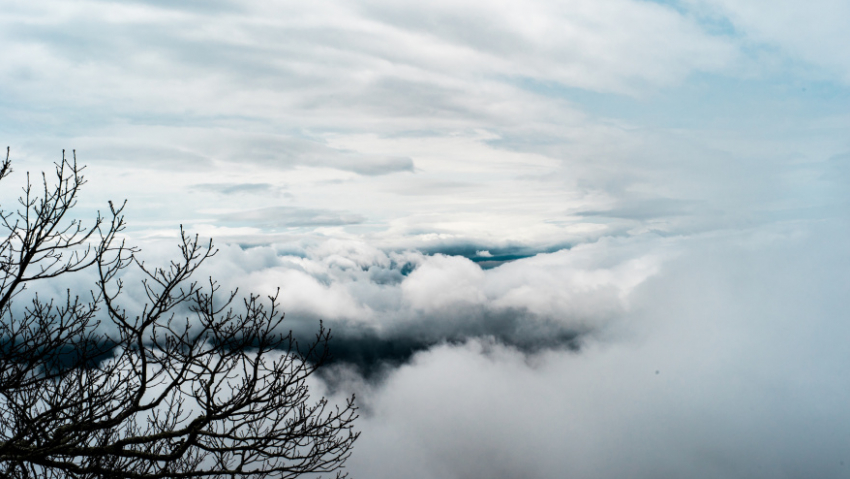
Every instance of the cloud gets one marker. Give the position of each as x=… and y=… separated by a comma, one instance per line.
x=728, y=362
x=265, y=189
x=283, y=216
x=708, y=356
x=584, y=44
x=333, y=66
x=384, y=306
x=146, y=156
x=284, y=152
x=658, y=187
x=197, y=149
x=441, y=123
x=382, y=166
x=649, y=208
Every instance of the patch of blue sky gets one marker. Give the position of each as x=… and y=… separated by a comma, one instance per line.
x=711, y=22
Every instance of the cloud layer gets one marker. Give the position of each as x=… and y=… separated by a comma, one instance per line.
x=588, y=238
x=385, y=306
x=727, y=363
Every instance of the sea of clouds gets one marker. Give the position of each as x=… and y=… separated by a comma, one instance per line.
x=702, y=356
x=586, y=239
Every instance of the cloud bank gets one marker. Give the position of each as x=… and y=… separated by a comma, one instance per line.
x=384, y=306
x=728, y=362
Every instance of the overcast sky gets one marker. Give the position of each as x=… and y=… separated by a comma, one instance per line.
x=577, y=238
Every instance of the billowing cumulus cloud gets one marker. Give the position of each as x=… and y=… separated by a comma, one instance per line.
x=727, y=363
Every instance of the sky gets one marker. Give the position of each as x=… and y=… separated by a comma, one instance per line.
x=583, y=238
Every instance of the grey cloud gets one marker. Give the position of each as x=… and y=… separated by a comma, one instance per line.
x=480, y=31
x=264, y=189
x=285, y=152
x=196, y=148
x=147, y=156
x=381, y=166
x=283, y=216
x=198, y=6
x=647, y=208
x=432, y=187
x=401, y=97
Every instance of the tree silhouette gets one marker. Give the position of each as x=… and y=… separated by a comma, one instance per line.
x=194, y=383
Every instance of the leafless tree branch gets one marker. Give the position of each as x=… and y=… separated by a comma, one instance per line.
x=198, y=384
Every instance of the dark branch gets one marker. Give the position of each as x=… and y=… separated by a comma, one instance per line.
x=195, y=384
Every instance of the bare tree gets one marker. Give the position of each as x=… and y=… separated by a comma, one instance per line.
x=194, y=384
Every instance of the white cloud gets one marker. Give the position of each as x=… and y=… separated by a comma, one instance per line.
x=729, y=364
x=274, y=60
x=612, y=45
x=547, y=300
x=441, y=282
x=614, y=149
x=446, y=121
